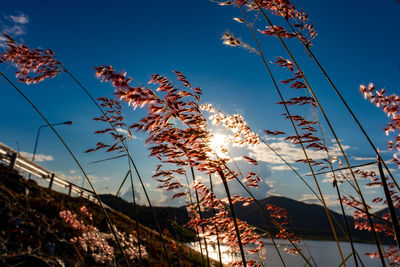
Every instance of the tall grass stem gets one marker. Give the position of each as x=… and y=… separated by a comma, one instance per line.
x=297, y=134
x=197, y=231
x=346, y=105
x=389, y=201
x=228, y=194
x=79, y=165
x=136, y=214
x=131, y=159
x=200, y=214
x=216, y=228
x=332, y=130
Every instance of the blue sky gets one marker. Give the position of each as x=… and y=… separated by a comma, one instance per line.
x=357, y=43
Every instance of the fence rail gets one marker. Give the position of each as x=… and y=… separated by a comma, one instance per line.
x=15, y=160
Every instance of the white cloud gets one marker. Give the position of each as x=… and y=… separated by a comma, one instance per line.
x=369, y=168
x=363, y=158
x=19, y=19
x=15, y=30
x=122, y=131
x=126, y=132
x=76, y=179
x=206, y=179
x=270, y=138
x=270, y=182
x=272, y=190
x=199, y=178
x=288, y=151
x=38, y=157
x=328, y=178
x=14, y=25
x=330, y=200
x=98, y=179
x=163, y=199
x=281, y=167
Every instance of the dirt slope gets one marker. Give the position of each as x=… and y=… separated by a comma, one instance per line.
x=32, y=233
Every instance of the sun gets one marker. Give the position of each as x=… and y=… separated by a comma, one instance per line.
x=218, y=144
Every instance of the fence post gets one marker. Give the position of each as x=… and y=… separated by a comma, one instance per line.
x=70, y=189
x=13, y=160
x=81, y=193
x=51, y=180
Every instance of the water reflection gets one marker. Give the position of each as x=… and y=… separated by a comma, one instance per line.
x=324, y=253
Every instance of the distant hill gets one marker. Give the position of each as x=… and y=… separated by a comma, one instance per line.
x=308, y=220
x=171, y=218
x=381, y=212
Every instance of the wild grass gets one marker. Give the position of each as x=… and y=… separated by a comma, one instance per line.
x=39, y=209
x=179, y=135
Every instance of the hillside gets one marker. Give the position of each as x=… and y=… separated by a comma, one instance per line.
x=32, y=233
x=170, y=218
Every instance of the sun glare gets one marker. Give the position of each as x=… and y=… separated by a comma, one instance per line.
x=218, y=143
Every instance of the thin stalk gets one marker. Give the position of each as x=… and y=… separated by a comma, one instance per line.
x=263, y=210
x=123, y=181
x=337, y=188
x=389, y=201
x=291, y=167
x=258, y=256
x=200, y=214
x=288, y=164
x=344, y=232
x=348, y=257
x=359, y=258
x=133, y=164
x=346, y=105
x=375, y=216
x=152, y=210
x=136, y=214
x=216, y=228
x=346, y=222
x=263, y=216
x=273, y=221
x=309, y=252
x=197, y=232
x=228, y=194
x=297, y=134
x=110, y=224
x=301, y=178
x=190, y=193
x=116, y=157
x=220, y=172
x=330, y=127
x=345, y=168
x=264, y=219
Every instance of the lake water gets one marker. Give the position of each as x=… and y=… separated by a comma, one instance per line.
x=324, y=253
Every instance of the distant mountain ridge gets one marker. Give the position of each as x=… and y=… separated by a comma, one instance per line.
x=307, y=220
